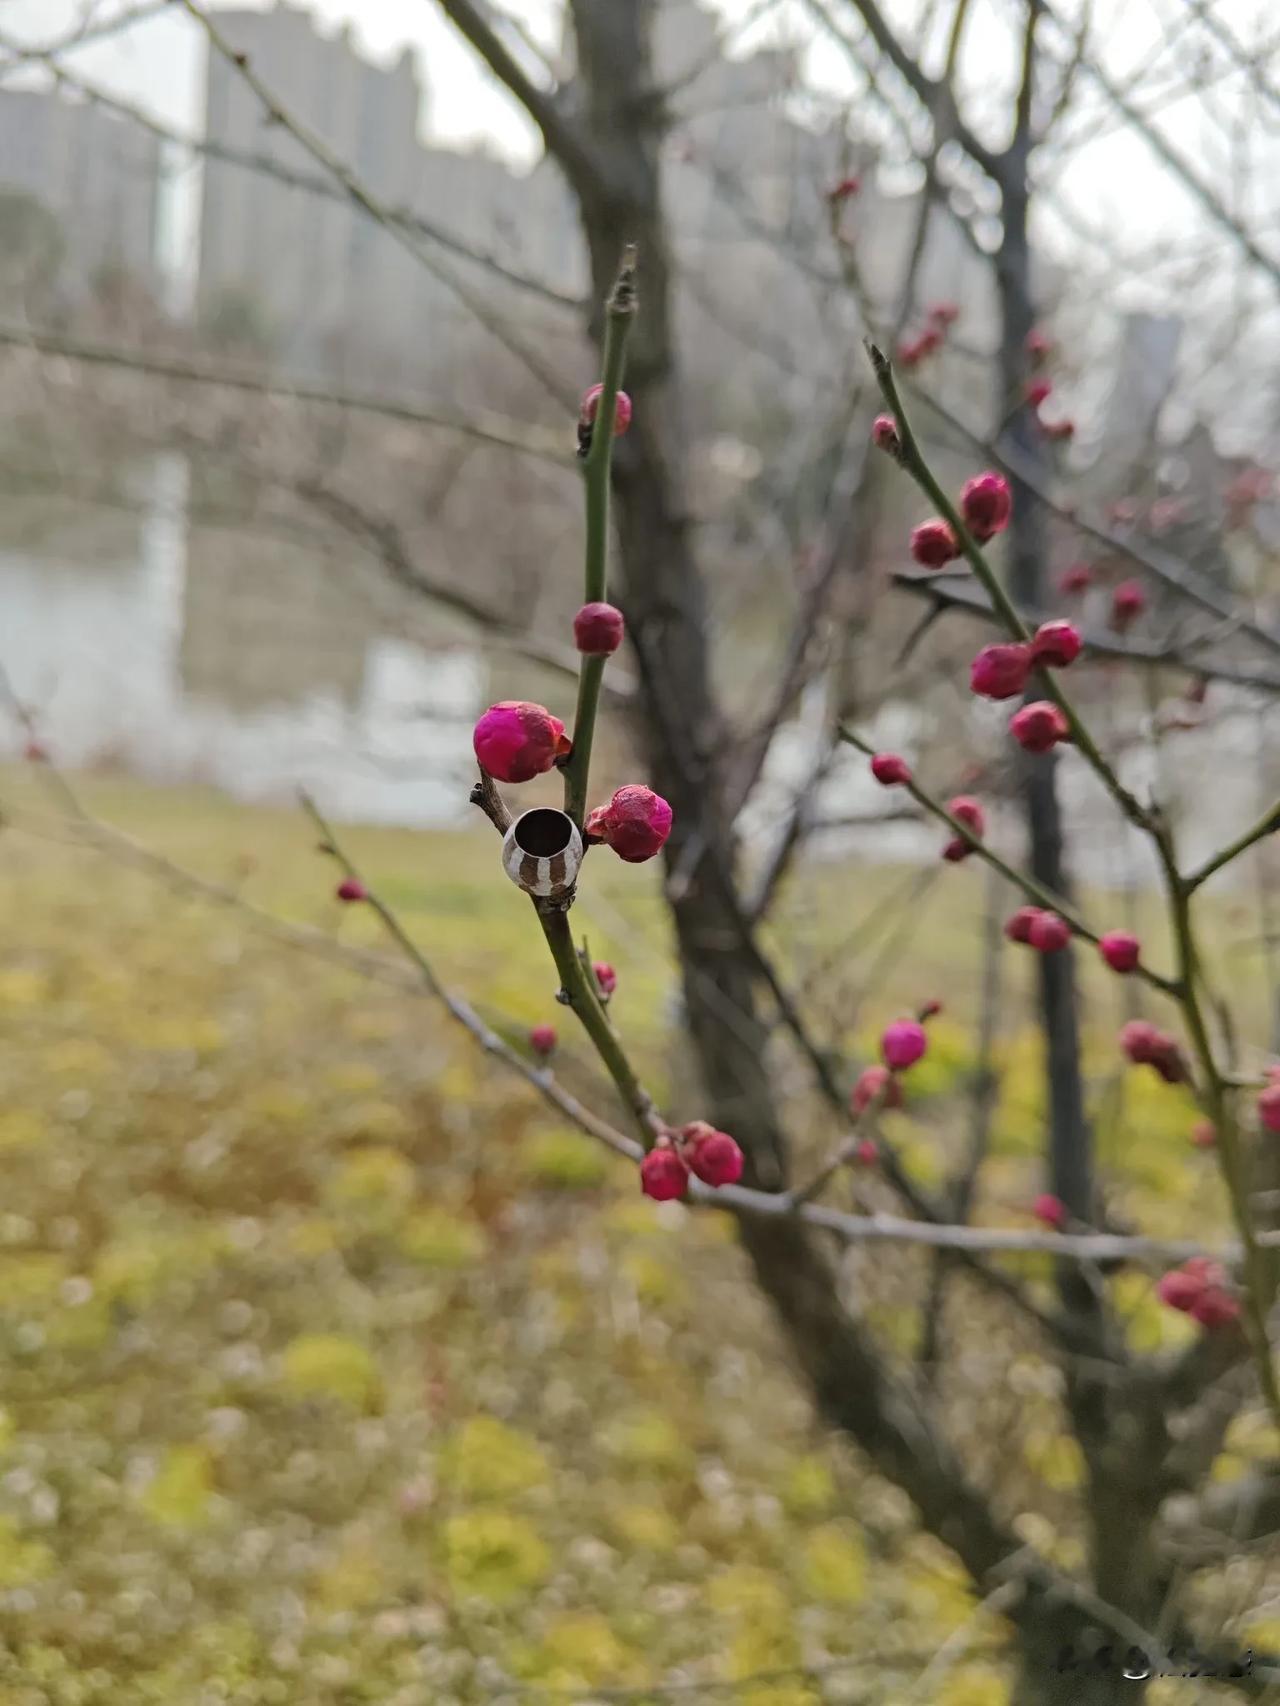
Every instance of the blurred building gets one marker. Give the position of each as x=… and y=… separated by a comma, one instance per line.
x=97, y=179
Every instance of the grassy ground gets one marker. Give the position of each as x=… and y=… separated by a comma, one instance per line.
x=335, y=1370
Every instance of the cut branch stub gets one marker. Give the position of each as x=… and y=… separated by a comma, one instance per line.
x=542, y=852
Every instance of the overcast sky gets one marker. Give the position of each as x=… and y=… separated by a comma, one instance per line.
x=1114, y=181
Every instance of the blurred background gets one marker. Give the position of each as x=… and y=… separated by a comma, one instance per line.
x=337, y=1366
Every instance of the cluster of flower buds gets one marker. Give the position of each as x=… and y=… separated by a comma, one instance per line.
x=1039, y=387
x=1034, y=927
x=938, y=321
x=697, y=1149
x=1000, y=671
x=1146, y=1045
x=986, y=504
x=969, y=813
x=1201, y=1288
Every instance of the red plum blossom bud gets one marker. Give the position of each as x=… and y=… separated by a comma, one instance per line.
x=1018, y=927
x=1269, y=1107
x=635, y=823
x=875, y=1084
x=712, y=1155
x=621, y=413
x=351, y=888
x=1056, y=644
x=934, y=545
x=597, y=630
x=986, y=505
x=606, y=977
x=1128, y=601
x=867, y=1153
x=1000, y=671
x=1120, y=950
x=1039, y=726
x=884, y=434
x=955, y=850
x=1075, y=579
x=890, y=770
x=968, y=811
x=1215, y=1308
x=903, y=1043
x=543, y=1039
x=1047, y=933
x=1050, y=1211
x=1146, y=1045
x=1037, y=391
x=516, y=741
x=663, y=1175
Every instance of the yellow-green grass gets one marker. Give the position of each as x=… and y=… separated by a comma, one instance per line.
x=335, y=1368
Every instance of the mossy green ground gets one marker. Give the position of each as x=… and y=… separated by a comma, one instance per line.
x=336, y=1369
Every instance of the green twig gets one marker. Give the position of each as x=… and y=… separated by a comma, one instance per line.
x=1266, y=825
x=620, y=312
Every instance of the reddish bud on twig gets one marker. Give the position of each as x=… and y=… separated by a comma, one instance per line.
x=1000, y=671
x=968, y=811
x=591, y=405
x=1018, y=927
x=934, y=545
x=1121, y=950
x=515, y=740
x=844, y=188
x=606, y=978
x=1039, y=726
x=1145, y=1045
x=884, y=435
x=663, y=1175
x=1269, y=1107
x=1199, y=1288
x=597, y=630
x=867, y=1153
x=903, y=1043
x=890, y=770
x=1056, y=644
x=1047, y=933
x=955, y=850
x=1050, y=1211
x=1128, y=601
x=713, y=1155
x=635, y=823
x=350, y=888
x=1075, y=579
x=875, y=1082
x=986, y=504
x=1037, y=391
x=543, y=1039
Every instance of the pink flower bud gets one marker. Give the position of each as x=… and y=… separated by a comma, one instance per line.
x=986, y=505
x=1128, y=601
x=890, y=770
x=606, y=977
x=1039, y=726
x=635, y=823
x=945, y=313
x=712, y=1155
x=1037, y=391
x=934, y=545
x=1269, y=1106
x=1204, y=1134
x=351, y=888
x=1179, y=1289
x=621, y=413
x=867, y=1153
x=1018, y=927
x=516, y=741
x=543, y=1039
x=956, y=849
x=663, y=1175
x=884, y=434
x=875, y=1084
x=1120, y=950
x=1056, y=644
x=1146, y=1045
x=1000, y=672
x=597, y=630
x=1075, y=579
x=968, y=811
x=1038, y=344
x=903, y=1043
x=1050, y=1211
x=1215, y=1308
x=1048, y=934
